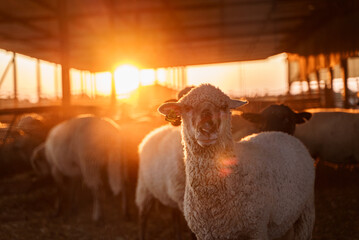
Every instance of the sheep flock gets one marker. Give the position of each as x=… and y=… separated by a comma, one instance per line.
x=212, y=171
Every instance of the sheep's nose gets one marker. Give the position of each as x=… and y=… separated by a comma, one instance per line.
x=207, y=127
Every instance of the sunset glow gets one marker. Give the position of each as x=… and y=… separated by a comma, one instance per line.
x=127, y=79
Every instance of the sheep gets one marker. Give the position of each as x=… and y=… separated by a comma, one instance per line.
x=87, y=148
x=261, y=187
x=332, y=135
x=272, y=118
x=34, y=131
x=161, y=169
x=161, y=172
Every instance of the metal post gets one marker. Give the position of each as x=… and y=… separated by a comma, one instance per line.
x=64, y=52
x=344, y=65
x=38, y=79
x=15, y=78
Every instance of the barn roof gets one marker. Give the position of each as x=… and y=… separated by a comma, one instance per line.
x=164, y=33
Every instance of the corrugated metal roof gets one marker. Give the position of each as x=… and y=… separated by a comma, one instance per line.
x=163, y=33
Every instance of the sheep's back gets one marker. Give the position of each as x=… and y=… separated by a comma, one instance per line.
x=280, y=175
x=82, y=145
x=332, y=136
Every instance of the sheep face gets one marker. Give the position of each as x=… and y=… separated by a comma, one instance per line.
x=205, y=111
x=277, y=118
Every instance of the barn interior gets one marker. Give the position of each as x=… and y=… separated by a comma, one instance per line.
x=319, y=39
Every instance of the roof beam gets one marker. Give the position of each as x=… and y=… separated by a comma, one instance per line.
x=27, y=25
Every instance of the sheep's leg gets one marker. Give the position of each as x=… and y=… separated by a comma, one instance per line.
x=96, y=212
x=60, y=192
x=73, y=194
x=288, y=235
x=124, y=202
x=143, y=217
x=303, y=227
x=59, y=201
x=177, y=223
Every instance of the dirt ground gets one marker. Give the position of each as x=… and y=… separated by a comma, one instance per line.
x=27, y=209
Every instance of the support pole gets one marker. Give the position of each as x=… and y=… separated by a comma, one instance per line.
x=5, y=72
x=38, y=79
x=114, y=49
x=309, y=87
x=317, y=75
x=64, y=52
x=288, y=77
x=344, y=65
x=329, y=94
x=15, y=78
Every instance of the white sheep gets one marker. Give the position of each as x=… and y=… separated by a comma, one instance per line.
x=259, y=188
x=87, y=148
x=332, y=135
x=161, y=173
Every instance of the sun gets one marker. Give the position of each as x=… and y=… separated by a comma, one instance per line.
x=127, y=79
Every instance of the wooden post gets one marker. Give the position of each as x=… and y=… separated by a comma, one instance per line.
x=288, y=77
x=329, y=94
x=16, y=100
x=344, y=66
x=5, y=72
x=317, y=74
x=38, y=79
x=64, y=52
x=309, y=87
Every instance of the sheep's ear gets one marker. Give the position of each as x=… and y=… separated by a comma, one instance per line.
x=253, y=117
x=169, y=109
x=300, y=117
x=233, y=104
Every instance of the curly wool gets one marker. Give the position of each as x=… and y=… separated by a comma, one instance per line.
x=204, y=93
